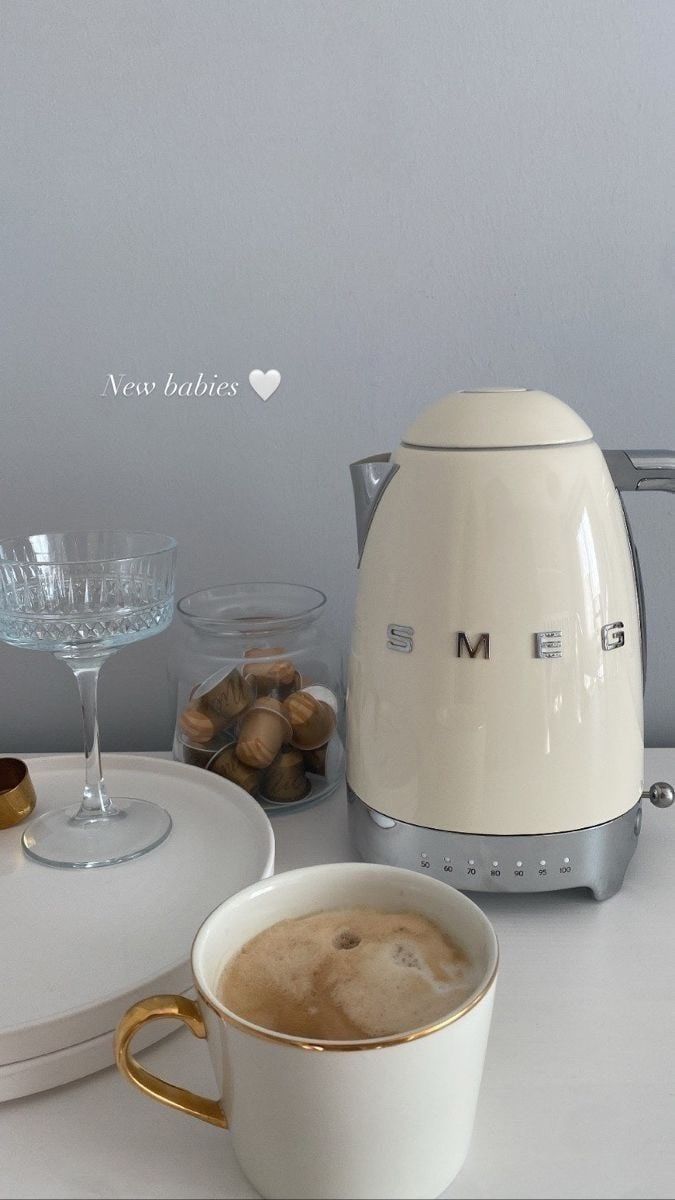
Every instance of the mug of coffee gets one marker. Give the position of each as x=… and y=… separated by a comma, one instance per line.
x=346, y=1010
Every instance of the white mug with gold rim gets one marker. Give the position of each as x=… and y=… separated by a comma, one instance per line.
x=386, y=1117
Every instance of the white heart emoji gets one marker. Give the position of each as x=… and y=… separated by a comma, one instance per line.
x=265, y=383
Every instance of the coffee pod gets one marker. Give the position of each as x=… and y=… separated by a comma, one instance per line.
x=284, y=780
x=277, y=675
x=197, y=725
x=325, y=761
x=315, y=760
x=226, y=697
x=264, y=652
x=226, y=764
x=312, y=720
x=322, y=693
x=199, y=755
x=196, y=756
x=293, y=686
x=264, y=729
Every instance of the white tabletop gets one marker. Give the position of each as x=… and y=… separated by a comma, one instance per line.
x=578, y=1096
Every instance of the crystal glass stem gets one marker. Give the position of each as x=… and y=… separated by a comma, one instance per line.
x=96, y=803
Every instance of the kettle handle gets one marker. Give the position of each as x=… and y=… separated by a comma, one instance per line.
x=642, y=470
x=370, y=478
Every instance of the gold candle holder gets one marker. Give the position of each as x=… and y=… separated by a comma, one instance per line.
x=17, y=794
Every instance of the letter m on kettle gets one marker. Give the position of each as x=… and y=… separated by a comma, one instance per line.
x=481, y=645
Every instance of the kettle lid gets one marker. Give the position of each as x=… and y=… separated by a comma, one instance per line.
x=492, y=418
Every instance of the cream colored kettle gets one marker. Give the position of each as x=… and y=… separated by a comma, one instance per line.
x=495, y=701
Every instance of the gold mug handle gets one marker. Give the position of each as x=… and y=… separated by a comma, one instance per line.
x=179, y=1008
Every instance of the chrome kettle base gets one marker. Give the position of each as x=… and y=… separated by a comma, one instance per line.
x=595, y=857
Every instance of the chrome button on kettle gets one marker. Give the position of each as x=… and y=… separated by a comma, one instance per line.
x=661, y=795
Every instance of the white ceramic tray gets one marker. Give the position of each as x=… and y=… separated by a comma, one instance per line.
x=31, y=1075
x=78, y=947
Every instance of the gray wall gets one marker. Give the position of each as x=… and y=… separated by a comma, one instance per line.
x=385, y=201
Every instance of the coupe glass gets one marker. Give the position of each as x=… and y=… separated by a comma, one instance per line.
x=82, y=596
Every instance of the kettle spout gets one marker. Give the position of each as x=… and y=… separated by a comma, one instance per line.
x=370, y=477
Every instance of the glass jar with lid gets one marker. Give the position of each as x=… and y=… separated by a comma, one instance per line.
x=259, y=691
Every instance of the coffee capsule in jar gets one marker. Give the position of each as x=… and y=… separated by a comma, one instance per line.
x=285, y=781
x=312, y=719
x=225, y=697
x=264, y=729
x=196, y=756
x=226, y=764
x=198, y=726
x=315, y=760
x=325, y=761
x=272, y=675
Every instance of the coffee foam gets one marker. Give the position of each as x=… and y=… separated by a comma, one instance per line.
x=348, y=973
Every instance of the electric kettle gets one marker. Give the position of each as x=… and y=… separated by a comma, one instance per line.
x=495, y=700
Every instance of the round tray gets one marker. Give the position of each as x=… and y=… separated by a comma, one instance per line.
x=30, y=1075
x=78, y=947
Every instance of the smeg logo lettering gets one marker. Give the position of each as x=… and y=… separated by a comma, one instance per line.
x=548, y=643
